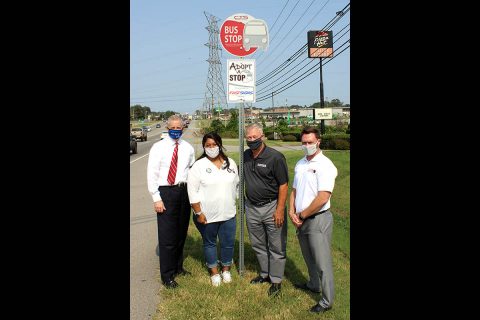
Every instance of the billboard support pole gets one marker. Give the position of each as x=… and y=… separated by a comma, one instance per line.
x=322, y=102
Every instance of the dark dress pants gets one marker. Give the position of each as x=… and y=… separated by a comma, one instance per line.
x=172, y=230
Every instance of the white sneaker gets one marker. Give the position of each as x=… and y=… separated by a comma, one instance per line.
x=227, y=276
x=216, y=280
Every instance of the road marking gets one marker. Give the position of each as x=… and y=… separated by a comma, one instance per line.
x=138, y=158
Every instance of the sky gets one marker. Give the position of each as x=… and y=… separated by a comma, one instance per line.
x=168, y=67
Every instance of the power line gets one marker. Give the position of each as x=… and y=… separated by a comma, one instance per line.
x=329, y=24
x=281, y=41
x=305, y=75
x=306, y=26
x=305, y=59
x=273, y=26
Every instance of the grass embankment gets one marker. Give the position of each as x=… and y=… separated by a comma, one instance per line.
x=196, y=298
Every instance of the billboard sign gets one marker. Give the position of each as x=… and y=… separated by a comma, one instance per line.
x=241, y=80
x=323, y=114
x=320, y=44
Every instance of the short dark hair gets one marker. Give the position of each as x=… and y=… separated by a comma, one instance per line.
x=309, y=130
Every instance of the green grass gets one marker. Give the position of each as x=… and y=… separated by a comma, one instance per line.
x=197, y=299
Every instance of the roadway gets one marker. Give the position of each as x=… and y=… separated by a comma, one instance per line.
x=144, y=264
x=145, y=283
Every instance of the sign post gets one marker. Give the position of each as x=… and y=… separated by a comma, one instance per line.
x=320, y=45
x=241, y=35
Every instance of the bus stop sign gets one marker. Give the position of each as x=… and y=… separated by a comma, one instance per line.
x=231, y=34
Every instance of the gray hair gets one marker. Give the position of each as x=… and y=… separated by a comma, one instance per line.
x=174, y=117
x=255, y=126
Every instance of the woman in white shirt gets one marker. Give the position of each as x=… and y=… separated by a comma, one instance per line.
x=212, y=185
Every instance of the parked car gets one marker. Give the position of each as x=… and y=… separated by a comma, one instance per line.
x=164, y=135
x=139, y=133
x=133, y=144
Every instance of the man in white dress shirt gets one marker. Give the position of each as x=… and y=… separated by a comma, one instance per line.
x=168, y=164
x=309, y=211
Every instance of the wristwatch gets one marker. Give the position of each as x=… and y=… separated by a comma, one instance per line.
x=198, y=213
x=300, y=217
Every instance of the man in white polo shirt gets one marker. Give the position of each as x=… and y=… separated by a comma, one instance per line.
x=310, y=212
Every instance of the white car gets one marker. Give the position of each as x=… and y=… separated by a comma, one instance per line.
x=164, y=135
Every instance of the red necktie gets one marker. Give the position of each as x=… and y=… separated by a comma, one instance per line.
x=172, y=172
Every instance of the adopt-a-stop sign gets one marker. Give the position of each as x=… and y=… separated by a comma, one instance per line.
x=231, y=34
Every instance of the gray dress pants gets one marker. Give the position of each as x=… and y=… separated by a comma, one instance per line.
x=315, y=237
x=268, y=242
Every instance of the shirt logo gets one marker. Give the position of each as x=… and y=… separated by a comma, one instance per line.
x=209, y=170
x=261, y=165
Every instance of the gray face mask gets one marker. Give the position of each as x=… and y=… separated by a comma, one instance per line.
x=255, y=144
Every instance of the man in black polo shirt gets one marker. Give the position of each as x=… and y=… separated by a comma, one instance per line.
x=266, y=186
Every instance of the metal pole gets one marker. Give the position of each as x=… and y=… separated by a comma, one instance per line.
x=241, y=188
x=322, y=102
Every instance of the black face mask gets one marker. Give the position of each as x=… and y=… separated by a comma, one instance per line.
x=255, y=144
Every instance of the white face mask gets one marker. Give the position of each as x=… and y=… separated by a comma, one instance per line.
x=212, y=152
x=309, y=149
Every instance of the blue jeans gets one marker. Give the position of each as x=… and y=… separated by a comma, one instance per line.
x=225, y=231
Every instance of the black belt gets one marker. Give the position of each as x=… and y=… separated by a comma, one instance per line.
x=262, y=203
x=315, y=214
x=180, y=185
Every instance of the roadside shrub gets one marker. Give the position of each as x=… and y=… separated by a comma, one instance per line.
x=293, y=133
x=328, y=141
x=271, y=136
x=229, y=134
x=341, y=144
x=289, y=137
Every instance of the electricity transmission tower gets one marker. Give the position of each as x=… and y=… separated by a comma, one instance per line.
x=215, y=89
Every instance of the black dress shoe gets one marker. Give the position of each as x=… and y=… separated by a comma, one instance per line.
x=260, y=279
x=319, y=309
x=183, y=272
x=275, y=289
x=172, y=284
x=303, y=286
